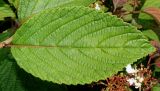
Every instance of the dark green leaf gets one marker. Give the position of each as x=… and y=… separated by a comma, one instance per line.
x=151, y=34
x=12, y=78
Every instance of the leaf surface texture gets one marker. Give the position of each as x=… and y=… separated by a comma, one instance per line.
x=77, y=45
x=27, y=8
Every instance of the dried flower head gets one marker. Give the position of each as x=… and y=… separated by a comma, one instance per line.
x=140, y=77
x=117, y=83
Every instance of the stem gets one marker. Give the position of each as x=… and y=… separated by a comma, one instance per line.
x=7, y=41
x=2, y=45
x=132, y=12
x=136, y=12
x=140, y=89
x=134, y=6
x=149, y=61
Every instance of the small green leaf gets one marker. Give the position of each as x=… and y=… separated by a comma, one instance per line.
x=3, y=51
x=5, y=11
x=157, y=69
x=77, y=45
x=4, y=36
x=151, y=34
x=14, y=2
x=29, y=7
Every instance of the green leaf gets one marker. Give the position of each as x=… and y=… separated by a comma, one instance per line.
x=29, y=7
x=14, y=2
x=144, y=18
x=12, y=78
x=77, y=45
x=3, y=51
x=8, y=79
x=157, y=69
x=4, y=36
x=156, y=88
x=5, y=11
x=151, y=34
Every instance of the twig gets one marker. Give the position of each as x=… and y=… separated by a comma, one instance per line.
x=132, y=12
x=6, y=42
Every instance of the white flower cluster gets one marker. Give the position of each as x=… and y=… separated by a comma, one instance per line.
x=97, y=7
x=136, y=80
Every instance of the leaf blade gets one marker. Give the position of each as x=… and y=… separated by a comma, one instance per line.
x=84, y=43
x=150, y=34
x=29, y=7
x=5, y=10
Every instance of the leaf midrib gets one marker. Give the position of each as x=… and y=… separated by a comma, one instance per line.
x=45, y=46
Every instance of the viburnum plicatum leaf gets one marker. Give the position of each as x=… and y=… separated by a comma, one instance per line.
x=29, y=7
x=77, y=45
x=154, y=12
